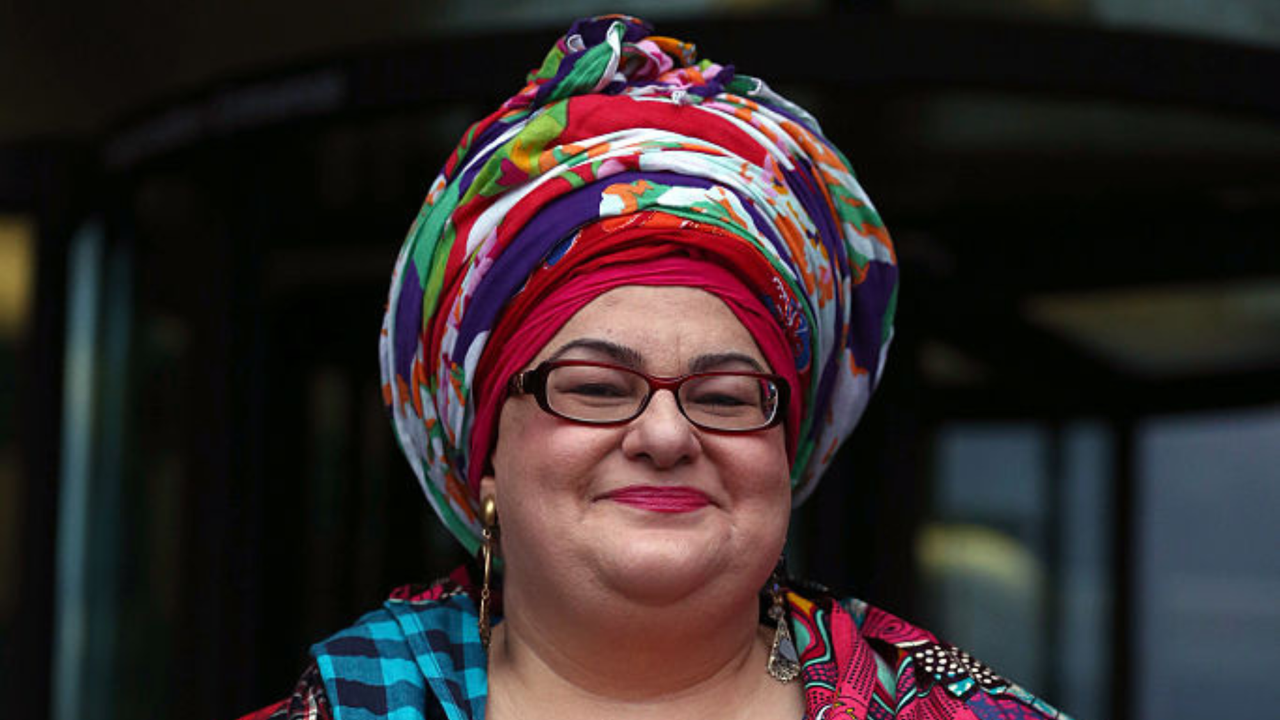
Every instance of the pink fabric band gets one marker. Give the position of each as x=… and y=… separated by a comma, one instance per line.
x=506, y=356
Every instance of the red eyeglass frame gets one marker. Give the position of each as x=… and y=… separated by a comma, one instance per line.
x=534, y=382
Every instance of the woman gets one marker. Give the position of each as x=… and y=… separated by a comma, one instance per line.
x=642, y=306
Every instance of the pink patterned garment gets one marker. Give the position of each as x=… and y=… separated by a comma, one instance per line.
x=862, y=662
x=857, y=662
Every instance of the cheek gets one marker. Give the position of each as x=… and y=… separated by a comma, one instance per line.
x=519, y=445
x=774, y=464
x=762, y=471
x=541, y=459
x=777, y=482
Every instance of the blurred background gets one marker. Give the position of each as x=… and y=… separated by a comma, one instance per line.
x=1070, y=470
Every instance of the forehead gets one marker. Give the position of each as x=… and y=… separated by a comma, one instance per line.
x=667, y=327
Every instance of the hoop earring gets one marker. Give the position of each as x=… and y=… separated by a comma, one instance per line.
x=489, y=516
x=784, y=661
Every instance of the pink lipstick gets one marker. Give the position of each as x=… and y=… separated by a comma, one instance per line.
x=661, y=499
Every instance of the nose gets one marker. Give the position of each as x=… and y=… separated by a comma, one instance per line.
x=662, y=434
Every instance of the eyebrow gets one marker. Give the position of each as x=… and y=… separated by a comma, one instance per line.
x=630, y=358
x=616, y=352
x=703, y=363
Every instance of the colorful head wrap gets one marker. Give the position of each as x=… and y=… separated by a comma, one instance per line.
x=621, y=153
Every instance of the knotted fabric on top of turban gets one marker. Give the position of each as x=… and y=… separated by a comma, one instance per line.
x=623, y=148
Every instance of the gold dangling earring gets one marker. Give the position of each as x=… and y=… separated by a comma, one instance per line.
x=489, y=516
x=784, y=661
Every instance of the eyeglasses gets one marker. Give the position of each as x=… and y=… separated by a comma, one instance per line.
x=597, y=393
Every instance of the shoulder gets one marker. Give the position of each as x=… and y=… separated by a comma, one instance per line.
x=938, y=666
x=417, y=655
x=404, y=658
x=883, y=666
x=412, y=618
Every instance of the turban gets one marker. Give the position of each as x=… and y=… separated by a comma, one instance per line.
x=622, y=151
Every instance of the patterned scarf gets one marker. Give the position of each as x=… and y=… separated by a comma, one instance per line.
x=419, y=657
x=622, y=144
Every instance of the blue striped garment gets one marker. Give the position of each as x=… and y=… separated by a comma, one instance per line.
x=382, y=666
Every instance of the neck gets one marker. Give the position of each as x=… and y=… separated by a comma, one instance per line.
x=687, y=659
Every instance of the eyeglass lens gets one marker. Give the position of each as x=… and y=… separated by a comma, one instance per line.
x=725, y=401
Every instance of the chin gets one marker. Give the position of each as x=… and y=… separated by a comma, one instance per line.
x=663, y=567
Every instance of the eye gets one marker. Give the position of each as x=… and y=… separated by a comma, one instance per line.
x=720, y=399
x=724, y=394
x=594, y=389
x=589, y=385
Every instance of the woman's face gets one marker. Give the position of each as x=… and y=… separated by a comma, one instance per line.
x=576, y=502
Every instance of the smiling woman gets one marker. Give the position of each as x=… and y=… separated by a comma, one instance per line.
x=643, y=304
x=574, y=488
x=636, y=519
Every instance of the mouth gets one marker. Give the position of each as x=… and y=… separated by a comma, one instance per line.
x=660, y=499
